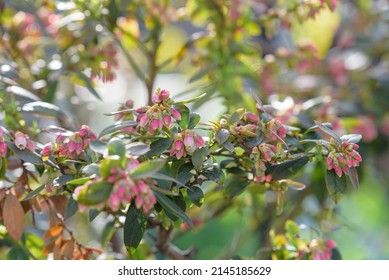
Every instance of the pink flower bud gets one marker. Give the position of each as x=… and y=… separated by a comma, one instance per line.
x=143, y=187
x=79, y=148
x=252, y=117
x=329, y=163
x=176, y=114
x=143, y=120
x=160, y=124
x=72, y=146
x=21, y=142
x=199, y=141
x=154, y=124
x=168, y=120
x=164, y=94
x=59, y=139
x=84, y=130
x=3, y=149
x=156, y=99
x=180, y=154
x=178, y=144
x=138, y=202
x=338, y=170
x=188, y=140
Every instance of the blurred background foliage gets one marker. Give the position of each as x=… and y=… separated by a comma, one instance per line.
x=302, y=57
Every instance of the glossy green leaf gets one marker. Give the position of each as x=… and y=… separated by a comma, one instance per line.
x=222, y=135
x=328, y=131
x=71, y=208
x=62, y=180
x=25, y=155
x=94, y=193
x=34, y=192
x=194, y=119
x=148, y=168
x=21, y=92
x=196, y=195
x=43, y=109
x=159, y=146
x=236, y=116
x=352, y=138
x=286, y=169
x=185, y=115
x=116, y=127
x=107, y=233
x=134, y=228
x=192, y=99
x=213, y=173
x=93, y=213
x=336, y=185
x=159, y=176
x=172, y=207
x=353, y=175
x=91, y=170
x=199, y=156
x=137, y=149
x=98, y=146
x=79, y=181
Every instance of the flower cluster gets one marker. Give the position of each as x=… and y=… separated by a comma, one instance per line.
x=3, y=145
x=152, y=119
x=343, y=156
x=264, y=153
x=103, y=61
x=22, y=141
x=125, y=189
x=274, y=130
x=321, y=250
x=71, y=146
x=185, y=143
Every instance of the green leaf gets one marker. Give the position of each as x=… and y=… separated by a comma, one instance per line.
x=94, y=193
x=107, y=233
x=43, y=109
x=34, y=193
x=336, y=186
x=353, y=175
x=213, y=173
x=335, y=255
x=351, y=138
x=193, y=120
x=98, y=146
x=236, y=187
x=185, y=114
x=93, y=213
x=292, y=228
x=160, y=176
x=199, y=156
x=91, y=170
x=328, y=131
x=25, y=155
x=62, y=180
x=236, y=116
x=134, y=228
x=229, y=146
x=196, y=195
x=21, y=92
x=286, y=169
x=116, y=148
x=3, y=167
x=137, y=148
x=79, y=181
x=172, y=208
x=116, y=127
x=148, y=168
x=222, y=135
x=107, y=164
x=159, y=146
x=71, y=208
x=192, y=99
x=184, y=174
x=88, y=85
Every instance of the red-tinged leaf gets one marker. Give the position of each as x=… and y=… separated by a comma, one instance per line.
x=67, y=249
x=48, y=248
x=54, y=231
x=2, y=194
x=13, y=217
x=352, y=173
